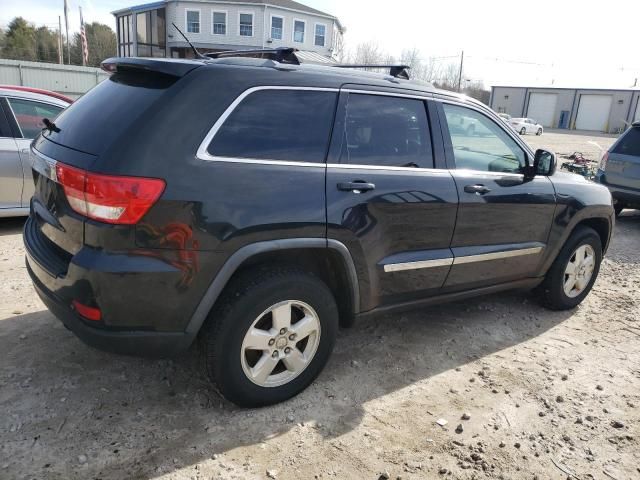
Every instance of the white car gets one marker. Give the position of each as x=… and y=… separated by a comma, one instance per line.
x=526, y=125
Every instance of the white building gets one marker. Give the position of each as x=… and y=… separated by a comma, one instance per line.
x=147, y=31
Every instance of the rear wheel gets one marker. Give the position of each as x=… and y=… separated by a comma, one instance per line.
x=573, y=273
x=270, y=336
x=523, y=131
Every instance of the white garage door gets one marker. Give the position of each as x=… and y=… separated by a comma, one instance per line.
x=593, y=112
x=542, y=108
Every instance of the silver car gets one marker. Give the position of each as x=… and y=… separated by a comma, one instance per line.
x=21, y=115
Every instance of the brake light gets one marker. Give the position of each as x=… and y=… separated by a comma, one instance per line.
x=108, y=198
x=603, y=161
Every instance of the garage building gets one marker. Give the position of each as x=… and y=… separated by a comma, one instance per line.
x=597, y=110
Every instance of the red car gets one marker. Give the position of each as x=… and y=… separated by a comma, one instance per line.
x=59, y=96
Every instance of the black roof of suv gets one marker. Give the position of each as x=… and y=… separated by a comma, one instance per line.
x=259, y=205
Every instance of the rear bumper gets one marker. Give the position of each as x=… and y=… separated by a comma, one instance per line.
x=131, y=292
x=628, y=196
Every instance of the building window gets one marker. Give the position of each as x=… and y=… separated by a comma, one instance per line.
x=298, y=31
x=193, y=21
x=277, y=24
x=125, y=36
x=321, y=34
x=151, y=33
x=219, y=23
x=246, y=24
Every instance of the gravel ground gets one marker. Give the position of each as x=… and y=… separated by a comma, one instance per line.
x=564, y=143
x=526, y=393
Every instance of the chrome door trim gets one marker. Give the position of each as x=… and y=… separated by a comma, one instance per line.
x=401, y=267
x=483, y=257
x=444, y=262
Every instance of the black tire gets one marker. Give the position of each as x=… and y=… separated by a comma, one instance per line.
x=242, y=302
x=539, y=132
x=551, y=290
x=618, y=207
x=523, y=131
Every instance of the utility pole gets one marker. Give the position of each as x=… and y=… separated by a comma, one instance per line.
x=60, y=60
x=460, y=72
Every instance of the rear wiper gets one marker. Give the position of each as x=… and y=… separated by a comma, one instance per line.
x=49, y=125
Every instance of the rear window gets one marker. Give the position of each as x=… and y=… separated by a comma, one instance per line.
x=106, y=112
x=289, y=125
x=629, y=144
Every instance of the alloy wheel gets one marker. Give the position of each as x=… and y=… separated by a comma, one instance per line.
x=579, y=271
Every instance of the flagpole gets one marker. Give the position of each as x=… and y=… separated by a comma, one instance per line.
x=82, y=37
x=60, y=44
x=66, y=23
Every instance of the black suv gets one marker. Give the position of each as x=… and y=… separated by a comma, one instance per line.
x=258, y=205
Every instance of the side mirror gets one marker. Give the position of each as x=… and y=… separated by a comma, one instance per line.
x=544, y=163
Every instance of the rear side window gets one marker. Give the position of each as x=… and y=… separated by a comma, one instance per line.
x=29, y=115
x=386, y=131
x=289, y=125
x=629, y=144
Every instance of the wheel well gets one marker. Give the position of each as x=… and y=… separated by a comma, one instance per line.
x=325, y=263
x=601, y=226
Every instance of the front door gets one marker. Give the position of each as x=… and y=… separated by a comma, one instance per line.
x=385, y=200
x=504, y=219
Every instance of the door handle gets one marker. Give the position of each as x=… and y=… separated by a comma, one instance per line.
x=477, y=189
x=356, y=187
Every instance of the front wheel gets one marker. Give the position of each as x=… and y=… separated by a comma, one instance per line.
x=539, y=132
x=618, y=207
x=523, y=131
x=269, y=336
x=573, y=273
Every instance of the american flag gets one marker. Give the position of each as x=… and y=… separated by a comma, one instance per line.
x=83, y=38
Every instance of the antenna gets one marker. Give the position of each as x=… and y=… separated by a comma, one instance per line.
x=195, y=50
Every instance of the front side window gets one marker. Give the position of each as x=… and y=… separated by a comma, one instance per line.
x=289, y=125
x=481, y=144
x=321, y=33
x=29, y=115
x=219, y=23
x=386, y=131
x=298, y=31
x=193, y=21
x=276, y=28
x=246, y=24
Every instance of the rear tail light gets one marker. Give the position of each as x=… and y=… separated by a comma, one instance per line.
x=107, y=198
x=603, y=161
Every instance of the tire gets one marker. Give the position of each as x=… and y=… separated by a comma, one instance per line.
x=618, y=207
x=552, y=290
x=523, y=131
x=227, y=361
x=539, y=132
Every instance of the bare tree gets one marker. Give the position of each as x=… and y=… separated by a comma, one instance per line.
x=368, y=53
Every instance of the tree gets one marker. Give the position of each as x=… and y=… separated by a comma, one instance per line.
x=101, y=41
x=20, y=41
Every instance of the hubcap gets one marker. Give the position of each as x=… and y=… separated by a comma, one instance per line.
x=280, y=343
x=579, y=271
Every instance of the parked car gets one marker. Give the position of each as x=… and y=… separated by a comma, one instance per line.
x=526, y=125
x=258, y=205
x=21, y=114
x=505, y=116
x=619, y=170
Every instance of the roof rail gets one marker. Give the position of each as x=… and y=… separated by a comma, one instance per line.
x=398, y=71
x=281, y=54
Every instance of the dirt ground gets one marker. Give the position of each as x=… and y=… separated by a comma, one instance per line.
x=526, y=393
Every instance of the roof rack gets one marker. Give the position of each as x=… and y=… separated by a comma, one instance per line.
x=281, y=54
x=398, y=71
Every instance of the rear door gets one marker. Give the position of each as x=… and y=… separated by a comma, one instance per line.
x=11, y=176
x=387, y=200
x=504, y=219
x=28, y=115
x=623, y=165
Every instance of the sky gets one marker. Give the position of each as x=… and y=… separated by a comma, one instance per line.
x=564, y=43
